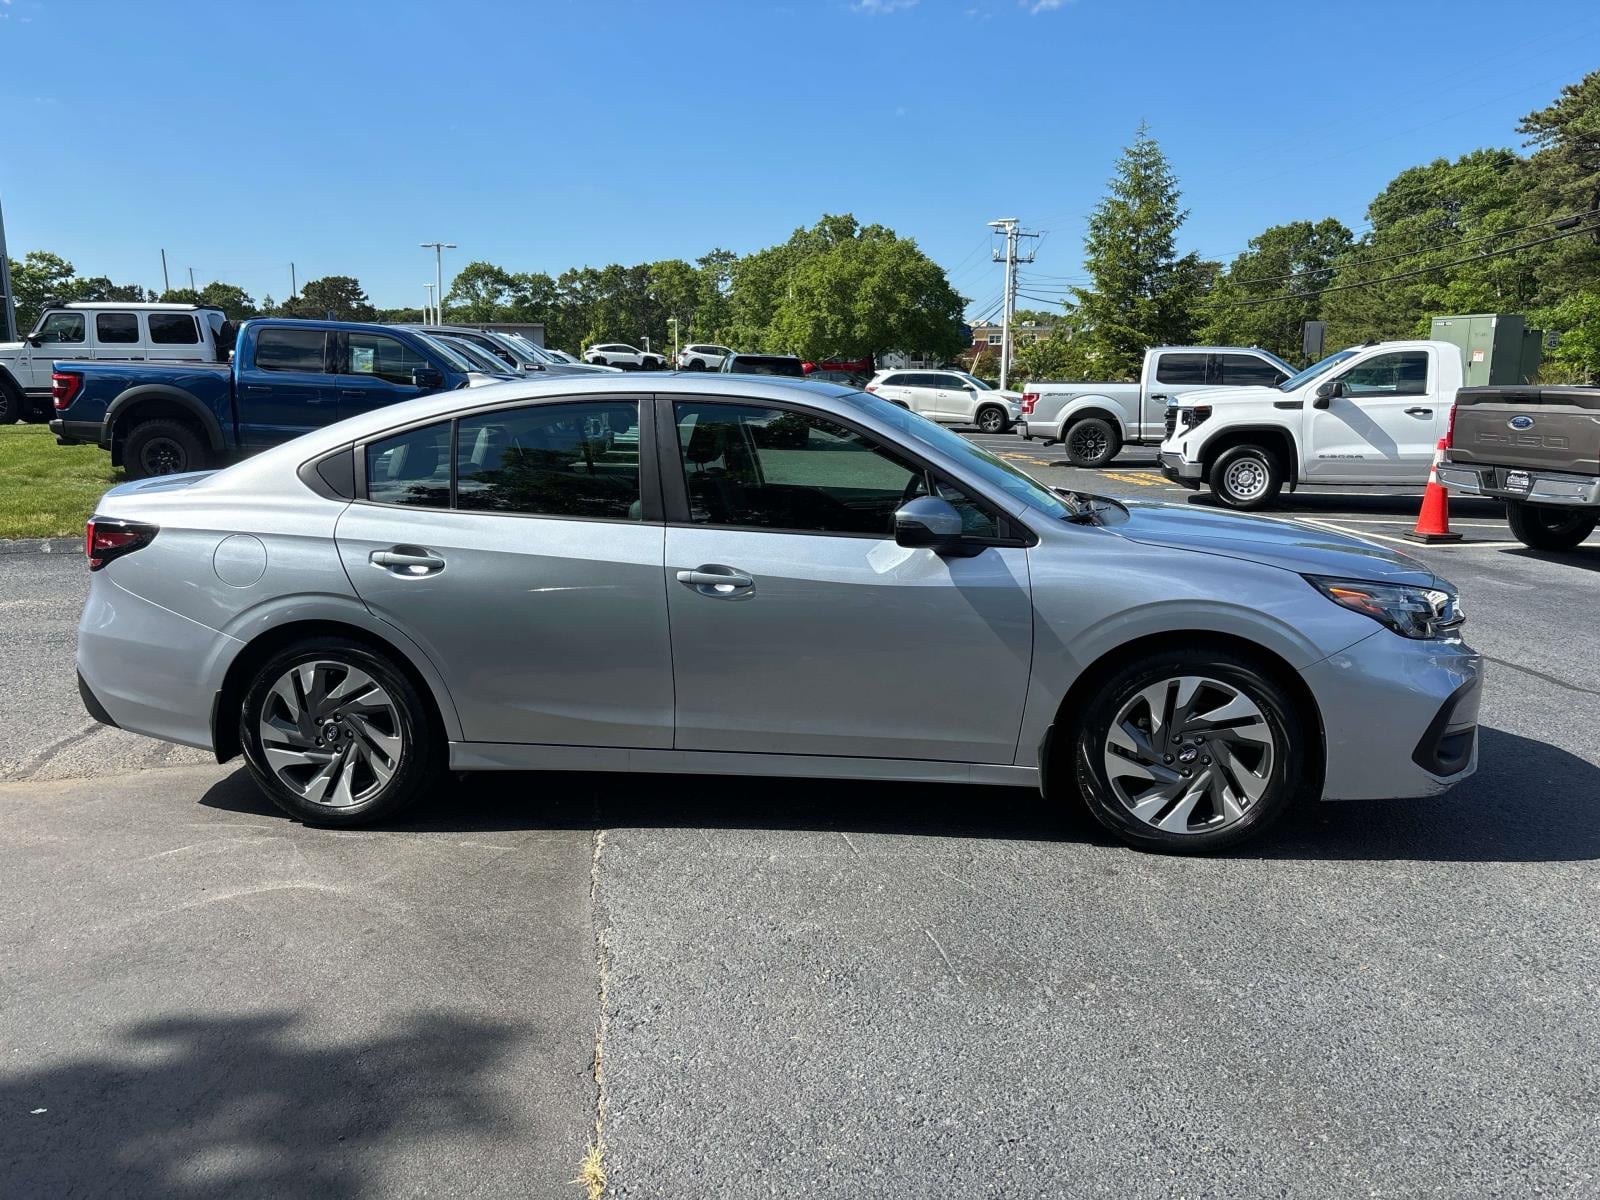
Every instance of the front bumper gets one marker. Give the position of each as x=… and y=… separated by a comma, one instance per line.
x=1399, y=717
x=1177, y=470
x=1546, y=487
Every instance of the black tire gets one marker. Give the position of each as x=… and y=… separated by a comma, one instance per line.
x=417, y=769
x=13, y=404
x=163, y=446
x=1246, y=477
x=1282, y=771
x=1091, y=442
x=697, y=364
x=991, y=418
x=1548, y=526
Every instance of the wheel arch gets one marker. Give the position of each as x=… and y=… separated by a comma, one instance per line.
x=155, y=402
x=1068, y=713
x=229, y=697
x=1273, y=437
x=1103, y=407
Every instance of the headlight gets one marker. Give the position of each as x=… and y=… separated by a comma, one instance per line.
x=1190, y=417
x=1413, y=612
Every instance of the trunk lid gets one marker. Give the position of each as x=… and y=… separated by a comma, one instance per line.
x=1539, y=428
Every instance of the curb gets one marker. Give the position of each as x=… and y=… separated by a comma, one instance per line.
x=41, y=545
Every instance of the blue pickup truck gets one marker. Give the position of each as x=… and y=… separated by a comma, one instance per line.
x=287, y=377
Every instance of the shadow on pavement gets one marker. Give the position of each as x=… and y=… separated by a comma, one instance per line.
x=1529, y=802
x=1354, y=504
x=1586, y=557
x=247, y=1105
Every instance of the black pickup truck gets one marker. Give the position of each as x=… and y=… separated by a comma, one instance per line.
x=1536, y=448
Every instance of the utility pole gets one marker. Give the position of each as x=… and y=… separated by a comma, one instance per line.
x=8, y=311
x=427, y=309
x=191, y=279
x=673, y=321
x=166, y=284
x=292, y=287
x=438, y=249
x=1009, y=226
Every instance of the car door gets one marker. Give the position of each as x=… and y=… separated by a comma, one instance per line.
x=1174, y=372
x=65, y=335
x=533, y=582
x=287, y=388
x=799, y=626
x=117, y=336
x=952, y=399
x=375, y=370
x=176, y=335
x=1380, y=424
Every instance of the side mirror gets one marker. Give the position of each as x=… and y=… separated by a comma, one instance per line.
x=427, y=379
x=929, y=523
x=1327, y=391
x=35, y=341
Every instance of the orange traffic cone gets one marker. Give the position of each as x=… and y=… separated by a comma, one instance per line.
x=1433, y=522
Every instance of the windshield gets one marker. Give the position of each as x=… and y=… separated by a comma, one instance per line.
x=539, y=352
x=992, y=470
x=481, y=359
x=975, y=381
x=448, y=353
x=510, y=346
x=1295, y=382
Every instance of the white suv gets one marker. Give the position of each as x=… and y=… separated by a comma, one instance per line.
x=702, y=356
x=619, y=354
x=101, y=330
x=950, y=397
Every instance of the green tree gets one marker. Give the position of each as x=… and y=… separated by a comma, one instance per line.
x=1293, y=260
x=231, y=299
x=337, y=296
x=1563, y=177
x=713, y=314
x=1576, y=319
x=480, y=292
x=1142, y=292
x=40, y=277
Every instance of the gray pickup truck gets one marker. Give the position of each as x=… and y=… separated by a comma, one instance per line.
x=1536, y=448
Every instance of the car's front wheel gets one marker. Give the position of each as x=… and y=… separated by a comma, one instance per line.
x=336, y=734
x=1189, y=751
x=992, y=419
x=1550, y=527
x=1246, y=477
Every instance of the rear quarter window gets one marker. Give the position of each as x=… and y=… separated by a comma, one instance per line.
x=173, y=329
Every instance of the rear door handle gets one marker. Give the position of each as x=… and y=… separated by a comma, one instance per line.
x=352, y=393
x=1420, y=412
x=408, y=562
x=714, y=579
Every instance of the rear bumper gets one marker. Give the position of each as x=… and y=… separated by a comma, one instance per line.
x=1178, y=471
x=1546, y=487
x=76, y=433
x=1400, y=717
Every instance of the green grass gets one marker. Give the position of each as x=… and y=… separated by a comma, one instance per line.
x=48, y=490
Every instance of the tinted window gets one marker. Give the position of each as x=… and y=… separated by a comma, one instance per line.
x=899, y=379
x=173, y=329
x=413, y=468
x=1181, y=368
x=1403, y=373
x=62, y=327
x=116, y=329
x=772, y=469
x=388, y=358
x=1246, y=370
x=563, y=460
x=291, y=350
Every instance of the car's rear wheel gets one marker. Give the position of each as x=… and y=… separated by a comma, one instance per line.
x=1092, y=442
x=163, y=447
x=1246, y=477
x=1550, y=527
x=1188, y=751
x=337, y=734
x=992, y=419
x=697, y=364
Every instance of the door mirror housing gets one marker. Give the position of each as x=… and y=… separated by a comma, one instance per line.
x=1326, y=391
x=929, y=523
x=427, y=379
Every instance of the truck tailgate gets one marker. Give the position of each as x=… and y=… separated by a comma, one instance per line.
x=1538, y=428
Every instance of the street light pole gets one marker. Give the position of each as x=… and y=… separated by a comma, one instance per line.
x=8, y=310
x=438, y=249
x=673, y=321
x=427, y=309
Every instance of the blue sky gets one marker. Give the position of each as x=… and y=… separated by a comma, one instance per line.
x=338, y=135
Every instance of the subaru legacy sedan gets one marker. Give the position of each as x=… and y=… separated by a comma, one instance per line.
x=729, y=575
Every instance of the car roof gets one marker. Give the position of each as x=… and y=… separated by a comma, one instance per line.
x=140, y=305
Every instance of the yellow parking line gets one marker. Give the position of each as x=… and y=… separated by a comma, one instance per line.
x=1141, y=480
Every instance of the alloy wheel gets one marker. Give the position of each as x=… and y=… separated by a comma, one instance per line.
x=331, y=733
x=990, y=420
x=162, y=456
x=1087, y=442
x=1190, y=754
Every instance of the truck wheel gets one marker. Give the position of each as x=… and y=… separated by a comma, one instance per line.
x=1549, y=527
x=13, y=405
x=1092, y=442
x=992, y=419
x=1246, y=477
x=162, y=447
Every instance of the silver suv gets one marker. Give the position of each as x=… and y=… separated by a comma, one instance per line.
x=756, y=576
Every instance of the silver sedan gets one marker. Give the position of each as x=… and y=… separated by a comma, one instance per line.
x=744, y=576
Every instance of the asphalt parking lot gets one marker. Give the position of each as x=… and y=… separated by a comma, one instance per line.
x=795, y=990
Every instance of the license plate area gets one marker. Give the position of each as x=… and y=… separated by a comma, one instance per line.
x=1518, y=481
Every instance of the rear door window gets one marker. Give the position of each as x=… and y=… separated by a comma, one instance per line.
x=1182, y=369
x=412, y=468
x=116, y=329
x=556, y=460
x=174, y=329
x=303, y=350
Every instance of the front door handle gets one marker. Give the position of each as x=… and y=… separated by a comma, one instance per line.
x=714, y=579
x=408, y=562
x=352, y=393
x=1419, y=412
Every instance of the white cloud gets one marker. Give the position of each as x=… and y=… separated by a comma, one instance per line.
x=878, y=8
x=1035, y=7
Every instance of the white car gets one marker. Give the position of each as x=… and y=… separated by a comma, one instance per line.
x=702, y=356
x=620, y=354
x=949, y=397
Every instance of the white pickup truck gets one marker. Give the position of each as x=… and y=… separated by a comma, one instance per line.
x=1371, y=414
x=1095, y=420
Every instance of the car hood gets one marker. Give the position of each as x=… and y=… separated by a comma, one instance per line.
x=10, y=349
x=1293, y=545
x=1230, y=395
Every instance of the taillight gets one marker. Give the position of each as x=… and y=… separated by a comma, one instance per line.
x=1450, y=429
x=64, y=388
x=872, y=387
x=105, y=539
x=1029, y=399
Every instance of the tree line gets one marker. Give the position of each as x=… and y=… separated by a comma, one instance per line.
x=1495, y=230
